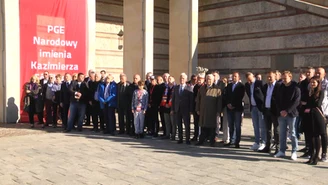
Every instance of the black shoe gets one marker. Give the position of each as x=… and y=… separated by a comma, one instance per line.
x=305, y=150
x=188, y=142
x=276, y=151
x=306, y=155
x=194, y=139
x=54, y=126
x=314, y=162
x=105, y=132
x=180, y=141
x=32, y=125
x=120, y=132
x=212, y=145
x=79, y=129
x=199, y=144
x=67, y=131
x=172, y=138
x=237, y=146
x=227, y=144
x=265, y=150
x=43, y=126
x=155, y=135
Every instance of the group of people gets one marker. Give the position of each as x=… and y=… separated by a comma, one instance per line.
x=280, y=108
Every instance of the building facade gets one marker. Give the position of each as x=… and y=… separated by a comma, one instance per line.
x=176, y=36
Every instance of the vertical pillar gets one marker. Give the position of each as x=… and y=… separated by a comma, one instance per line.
x=91, y=34
x=11, y=61
x=183, y=37
x=138, y=43
x=2, y=62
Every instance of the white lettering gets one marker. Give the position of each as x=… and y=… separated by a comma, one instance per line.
x=54, y=42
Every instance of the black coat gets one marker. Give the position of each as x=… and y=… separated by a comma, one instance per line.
x=123, y=100
x=289, y=98
x=65, y=95
x=235, y=98
x=83, y=89
x=275, y=91
x=257, y=94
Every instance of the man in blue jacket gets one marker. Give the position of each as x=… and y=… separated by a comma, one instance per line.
x=108, y=101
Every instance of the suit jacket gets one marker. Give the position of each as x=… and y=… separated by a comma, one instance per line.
x=235, y=98
x=257, y=94
x=123, y=95
x=184, y=101
x=155, y=95
x=65, y=95
x=111, y=100
x=275, y=91
x=83, y=89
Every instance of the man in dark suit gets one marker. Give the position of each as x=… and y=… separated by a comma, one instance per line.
x=162, y=86
x=43, y=82
x=79, y=94
x=218, y=82
x=65, y=97
x=270, y=92
x=254, y=92
x=234, y=96
x=182, y=106
x=88, y=111
x=123, y=105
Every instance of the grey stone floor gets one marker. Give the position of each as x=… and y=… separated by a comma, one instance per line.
x=50, y=157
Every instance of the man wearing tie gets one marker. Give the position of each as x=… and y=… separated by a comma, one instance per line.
x=182, y=107
x=79, y=93
x=234, y=96
x=108, y=102
x=124, y=111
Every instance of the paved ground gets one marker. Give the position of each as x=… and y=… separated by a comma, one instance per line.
x=49, y=157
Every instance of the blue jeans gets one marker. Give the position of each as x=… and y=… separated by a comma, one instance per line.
x=285, y=122
x=76, y=109
x=258, y=125
x=234, y=119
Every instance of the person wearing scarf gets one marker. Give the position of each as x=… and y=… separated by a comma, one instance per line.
x=32, y=90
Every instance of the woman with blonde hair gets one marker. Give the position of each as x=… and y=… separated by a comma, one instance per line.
x=32, y=98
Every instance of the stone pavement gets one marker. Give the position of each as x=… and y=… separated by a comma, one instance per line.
x=49, y=157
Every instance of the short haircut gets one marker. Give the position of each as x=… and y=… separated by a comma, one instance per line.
x=210, y=76
x=79, y=74
x=272, y=72
x=248, y=74
x=257, y=74
x=141, y=83
x=103, y=71
x=184, y=74
x=216, y=71
x=310, y=68
x=58, y=76
x=288, y=73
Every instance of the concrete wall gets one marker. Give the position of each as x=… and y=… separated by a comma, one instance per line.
x=109, y=21
x=257, y=36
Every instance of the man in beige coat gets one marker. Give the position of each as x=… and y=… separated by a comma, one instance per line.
x=208, y=106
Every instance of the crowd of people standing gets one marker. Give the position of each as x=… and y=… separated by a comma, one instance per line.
x=280, y=107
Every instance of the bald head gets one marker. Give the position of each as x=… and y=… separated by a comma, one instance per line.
x=136, y=78
x=321, y=73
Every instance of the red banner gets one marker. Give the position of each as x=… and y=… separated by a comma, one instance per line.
x=53, y=38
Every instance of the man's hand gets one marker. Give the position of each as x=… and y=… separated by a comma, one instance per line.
x=28, y=91
x=283, y=113
x=198, y=112
x=132, y=111
x=90, y=102
x=61, y=105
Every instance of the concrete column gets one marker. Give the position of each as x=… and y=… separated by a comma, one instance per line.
x=91, y=34
x=11, y=62
x=138, y=39
x=2, y=62
x=183, y=37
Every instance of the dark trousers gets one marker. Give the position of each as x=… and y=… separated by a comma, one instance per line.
x=270, y=120
x=54, y=113
x=207, y=133
x=97, y=115
x=234, y=120
x=64, y=115
x=152, y=120
x=196, y=125
x=77, y=111
x=110, y=121
x=41, y=114
x=185, y=116
x=161, y=115
x=88, y=113
x=49, y=112
x=124, y=120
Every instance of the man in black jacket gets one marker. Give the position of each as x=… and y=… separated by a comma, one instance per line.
x=124, y=111
x=234, y=96
x=65, y=99
x=270, y=91
x=79, y=97
x=289, y=97
x=254, y=92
